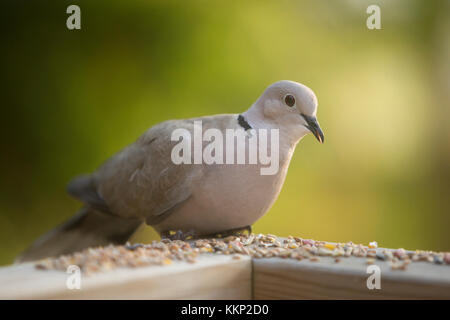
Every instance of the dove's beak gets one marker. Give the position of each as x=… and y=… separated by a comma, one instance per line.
x=313, y=126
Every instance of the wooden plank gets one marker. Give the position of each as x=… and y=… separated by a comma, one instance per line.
x=223, y=277
x=276, y=278
x=211, y=277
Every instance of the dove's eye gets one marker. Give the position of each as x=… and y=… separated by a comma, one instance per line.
x=289, y=100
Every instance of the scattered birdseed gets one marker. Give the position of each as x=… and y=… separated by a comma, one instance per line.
x=399, y=265
x=371, y=253
x=380, y=256
x=134, y=246
x=306, y=242
x=373, y=245
x=447, y=258
x=400, y=253
x=257, y=246
x=324, y=252
x=438, y=259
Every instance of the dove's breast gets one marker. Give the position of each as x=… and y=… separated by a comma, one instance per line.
x=228, y=197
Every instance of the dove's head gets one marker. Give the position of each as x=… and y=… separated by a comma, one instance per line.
x=290, y=106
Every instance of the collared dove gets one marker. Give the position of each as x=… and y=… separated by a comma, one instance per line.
x=141, y=184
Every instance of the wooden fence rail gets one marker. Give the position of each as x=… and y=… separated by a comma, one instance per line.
x=225, y=277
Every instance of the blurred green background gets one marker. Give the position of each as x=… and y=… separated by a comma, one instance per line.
x=71, y=99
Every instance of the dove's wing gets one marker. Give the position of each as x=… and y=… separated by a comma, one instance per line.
x=84, y=189
x=141, y=181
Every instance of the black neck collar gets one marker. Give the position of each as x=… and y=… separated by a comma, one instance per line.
x=243, y=123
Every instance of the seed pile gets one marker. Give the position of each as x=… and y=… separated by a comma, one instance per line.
x=257, y=246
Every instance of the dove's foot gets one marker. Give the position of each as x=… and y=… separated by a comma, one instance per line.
x=179, y=235
x=231, y=232
x=193, y=235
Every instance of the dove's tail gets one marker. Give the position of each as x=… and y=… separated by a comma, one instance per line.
x=88, y=228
